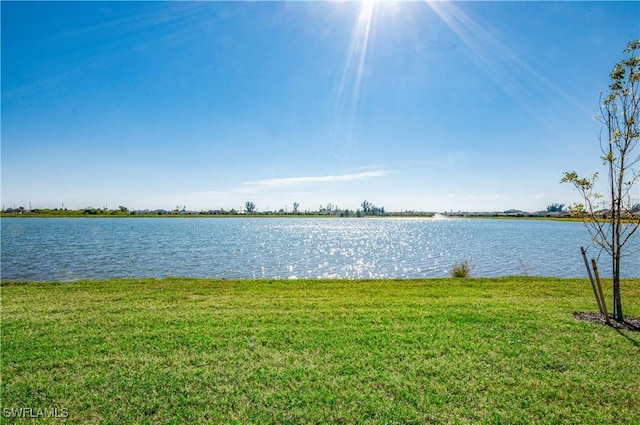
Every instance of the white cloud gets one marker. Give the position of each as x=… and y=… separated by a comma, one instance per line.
x=308, y=190
x=297, y=181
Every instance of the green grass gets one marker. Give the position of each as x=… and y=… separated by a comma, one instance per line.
x=459, y=351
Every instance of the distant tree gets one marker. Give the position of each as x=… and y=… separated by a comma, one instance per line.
x=620, y=116
x=366, y=207
x=295, y=207
x=123, y=209
x=250, y=207
x=370, y=209
x=555, y=208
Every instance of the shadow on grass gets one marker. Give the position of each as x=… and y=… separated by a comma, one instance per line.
x=633, y=341
x=629, y=324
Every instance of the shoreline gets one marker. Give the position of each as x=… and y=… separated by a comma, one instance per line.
x=426, y=216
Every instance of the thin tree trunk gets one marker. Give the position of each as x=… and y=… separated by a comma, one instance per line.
x=617, y=301
x=616, y=182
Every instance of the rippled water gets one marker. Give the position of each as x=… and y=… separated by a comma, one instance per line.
x=74, y=248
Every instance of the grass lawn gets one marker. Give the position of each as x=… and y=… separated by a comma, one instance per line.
x=457, y=351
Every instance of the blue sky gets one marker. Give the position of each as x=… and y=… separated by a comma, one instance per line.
x=431, y=106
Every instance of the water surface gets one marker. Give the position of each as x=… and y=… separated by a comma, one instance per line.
x=75, y=248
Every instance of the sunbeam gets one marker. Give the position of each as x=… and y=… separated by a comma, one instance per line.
x=516, y=77
x=348, y=94
x=504, y=66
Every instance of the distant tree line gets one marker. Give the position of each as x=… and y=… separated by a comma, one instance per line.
x=250, y=208
x=330, y=209
x=366, y=209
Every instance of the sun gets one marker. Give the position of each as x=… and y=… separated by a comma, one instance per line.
x=353, y=73
x=357, y=52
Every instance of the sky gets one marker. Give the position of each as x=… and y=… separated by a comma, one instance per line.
x=425, y=106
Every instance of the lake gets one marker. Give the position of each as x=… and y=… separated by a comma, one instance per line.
x=97, y=248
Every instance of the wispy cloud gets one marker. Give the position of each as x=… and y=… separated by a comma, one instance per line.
x=299, y=181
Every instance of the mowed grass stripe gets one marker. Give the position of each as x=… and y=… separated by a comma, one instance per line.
x=504, y=350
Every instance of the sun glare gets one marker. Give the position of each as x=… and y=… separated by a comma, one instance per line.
x=354, y=68
x=501, y=63
x=516, y=77
x=367, y=23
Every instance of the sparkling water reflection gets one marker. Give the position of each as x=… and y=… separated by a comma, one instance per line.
x=75, y=248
